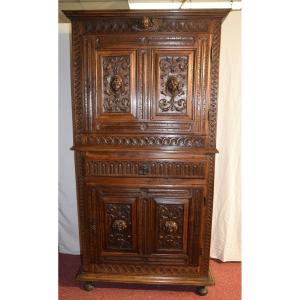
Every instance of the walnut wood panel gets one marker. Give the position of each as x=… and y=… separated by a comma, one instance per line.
x=144, y=104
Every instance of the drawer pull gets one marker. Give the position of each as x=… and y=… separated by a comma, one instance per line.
x=144, y=170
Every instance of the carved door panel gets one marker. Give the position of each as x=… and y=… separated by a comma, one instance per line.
x=172, y=98
x=115, y=77
x=176, y=219
x=112, y=222
x=180, y=77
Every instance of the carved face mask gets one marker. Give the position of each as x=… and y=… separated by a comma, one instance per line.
x=116, y=83
x=172, y=84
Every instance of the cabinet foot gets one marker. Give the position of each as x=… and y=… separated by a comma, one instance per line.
x=89, y=286
x=201, y=290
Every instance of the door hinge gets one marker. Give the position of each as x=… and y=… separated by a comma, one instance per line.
x=211, y=54
x=204, y=201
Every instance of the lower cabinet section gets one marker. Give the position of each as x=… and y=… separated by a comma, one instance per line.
x=143, y=230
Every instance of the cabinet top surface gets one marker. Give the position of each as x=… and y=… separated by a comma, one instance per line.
x=216, y=13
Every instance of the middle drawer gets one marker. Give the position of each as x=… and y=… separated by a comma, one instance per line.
x=171, y=168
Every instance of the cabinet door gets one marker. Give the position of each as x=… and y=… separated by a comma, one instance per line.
x=111, y=221
x=145, y=83
x=175, y=225
x=115, y=76
x=143, y=225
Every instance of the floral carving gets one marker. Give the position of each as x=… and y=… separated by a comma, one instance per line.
x=170, y=234
x=116, y=78
x=118, y=220
x=173, y=82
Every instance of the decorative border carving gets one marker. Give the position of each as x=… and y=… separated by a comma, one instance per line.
x=136, y=25
x=208, y=216
x=79, y=168
x=212, y=110
x=77, y=80
x=156, y=168
x=179, y=141
x=144, y=269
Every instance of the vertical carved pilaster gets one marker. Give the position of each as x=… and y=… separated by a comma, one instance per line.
x=212, y=113
x=77, y=104
x=208, y=214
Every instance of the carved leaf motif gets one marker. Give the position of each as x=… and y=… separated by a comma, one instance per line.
x=116, y=81
x=173, y=84
x=119, y=226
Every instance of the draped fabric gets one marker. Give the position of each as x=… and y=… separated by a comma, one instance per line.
x=226, y=227
x=225, y=243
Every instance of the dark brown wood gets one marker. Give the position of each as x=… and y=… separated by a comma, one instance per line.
x=144, y=99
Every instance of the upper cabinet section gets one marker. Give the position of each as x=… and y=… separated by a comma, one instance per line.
x=145, y=75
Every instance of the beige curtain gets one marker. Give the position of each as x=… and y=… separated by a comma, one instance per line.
x=226, y=228
x=226, y=218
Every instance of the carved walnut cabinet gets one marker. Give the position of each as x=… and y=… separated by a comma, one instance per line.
x=144, y=89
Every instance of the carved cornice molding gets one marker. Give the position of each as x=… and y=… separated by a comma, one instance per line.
x=146, y=24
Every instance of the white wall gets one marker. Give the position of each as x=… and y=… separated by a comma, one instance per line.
x=68, y=225
x=226, y=218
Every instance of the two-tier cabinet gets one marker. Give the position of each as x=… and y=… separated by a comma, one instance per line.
x=144, y=99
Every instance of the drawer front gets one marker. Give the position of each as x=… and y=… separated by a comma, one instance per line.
x=147, y=168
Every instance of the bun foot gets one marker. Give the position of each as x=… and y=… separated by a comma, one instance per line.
x=201, y=290
x=89, y=286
